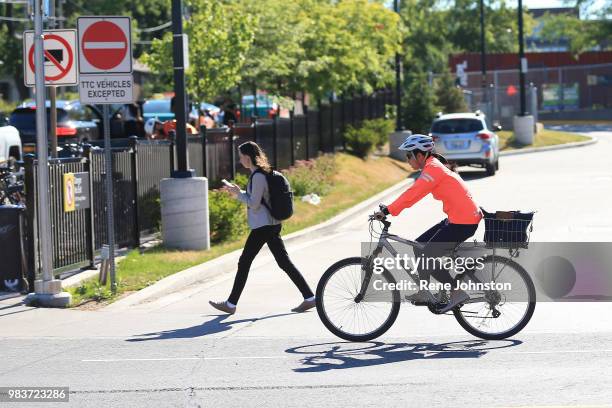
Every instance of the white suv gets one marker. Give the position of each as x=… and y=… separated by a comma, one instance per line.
x=464, y=139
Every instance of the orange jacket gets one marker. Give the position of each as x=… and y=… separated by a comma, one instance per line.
x=446, y=186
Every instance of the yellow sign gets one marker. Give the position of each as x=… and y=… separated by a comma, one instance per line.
x=69, y=192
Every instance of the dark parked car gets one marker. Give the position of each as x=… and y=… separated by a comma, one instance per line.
x=75, y=123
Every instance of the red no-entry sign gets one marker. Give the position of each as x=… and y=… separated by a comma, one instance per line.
x=104, y=45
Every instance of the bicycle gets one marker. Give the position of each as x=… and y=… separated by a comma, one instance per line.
x=11, y=190
x=351, y=308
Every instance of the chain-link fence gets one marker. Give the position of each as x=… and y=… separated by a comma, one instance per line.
x=562, y=91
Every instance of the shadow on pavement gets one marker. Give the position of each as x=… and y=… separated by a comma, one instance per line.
x=342, y=355
x=216, y=325
x=473, y=175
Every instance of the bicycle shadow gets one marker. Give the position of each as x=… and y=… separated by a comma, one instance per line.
x=214, y=326
x=332, y=356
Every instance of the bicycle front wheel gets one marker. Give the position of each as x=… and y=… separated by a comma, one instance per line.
x=344, y=312
x=503, y=310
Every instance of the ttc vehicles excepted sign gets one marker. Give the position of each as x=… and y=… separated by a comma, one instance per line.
x=105, y=56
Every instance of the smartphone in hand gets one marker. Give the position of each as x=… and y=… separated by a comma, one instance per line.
x=227, y=183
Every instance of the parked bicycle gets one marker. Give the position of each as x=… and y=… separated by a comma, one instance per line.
x=11, y=190
x=351, y=308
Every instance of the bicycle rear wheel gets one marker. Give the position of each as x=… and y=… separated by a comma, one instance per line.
x=346, y=315
x=498, y=313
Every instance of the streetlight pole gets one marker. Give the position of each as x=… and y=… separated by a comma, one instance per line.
x=183, y=197
x=398, y=79
x=522, y=59
x=483, y=55
x=180, y=102
x=523, y=125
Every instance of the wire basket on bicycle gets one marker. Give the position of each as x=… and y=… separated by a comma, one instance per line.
x=507, y=229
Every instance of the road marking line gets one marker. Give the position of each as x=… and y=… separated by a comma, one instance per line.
x=108, y=360
x=559, y=351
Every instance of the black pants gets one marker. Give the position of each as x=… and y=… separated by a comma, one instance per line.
x=269, y=234
x=441, y=239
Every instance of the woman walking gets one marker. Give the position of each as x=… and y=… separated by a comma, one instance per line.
x=264, y=230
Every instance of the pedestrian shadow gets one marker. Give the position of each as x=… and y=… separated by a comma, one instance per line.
x=214, y=326
x=343, y=355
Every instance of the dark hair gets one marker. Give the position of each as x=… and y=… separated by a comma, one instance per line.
x=442, y=159
x=257, y=155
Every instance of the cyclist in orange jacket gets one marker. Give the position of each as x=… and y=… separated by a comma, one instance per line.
x=463, y=214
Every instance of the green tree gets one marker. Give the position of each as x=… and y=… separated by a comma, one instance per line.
x=501, y=26
x=272, y=60
x=425, y=42
x=418, y=105
x=449, y=97
x=582, y=35
x=220, y=35
x=348, y=46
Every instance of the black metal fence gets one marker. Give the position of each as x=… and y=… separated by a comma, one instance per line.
x=140, y=165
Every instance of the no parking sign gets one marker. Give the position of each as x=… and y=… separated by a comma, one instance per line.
x=60, y=64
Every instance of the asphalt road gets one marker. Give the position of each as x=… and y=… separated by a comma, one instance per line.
x=175, y=351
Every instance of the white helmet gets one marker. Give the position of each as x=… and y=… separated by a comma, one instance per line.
x=150, y=125
x=418, y=142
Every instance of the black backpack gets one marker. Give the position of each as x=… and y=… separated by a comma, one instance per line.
x=281, y=196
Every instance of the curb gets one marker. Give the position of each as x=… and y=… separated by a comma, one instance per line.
x=549, y=148
x=226, y=263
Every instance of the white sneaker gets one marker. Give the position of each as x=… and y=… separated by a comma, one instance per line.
x=456, y=297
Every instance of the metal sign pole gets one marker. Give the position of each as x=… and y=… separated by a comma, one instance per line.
x=47, y=291
x=108, y=166
x=42, y=150
x=53, y=120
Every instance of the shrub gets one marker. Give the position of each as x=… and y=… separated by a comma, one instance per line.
x=312, y=176
x=361, y=140
x=418, y=105
x=227, y=217
x=449, y=97
x=241, y=179
x=381, y=128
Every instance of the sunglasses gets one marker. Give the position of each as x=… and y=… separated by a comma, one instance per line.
x=410, y=156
